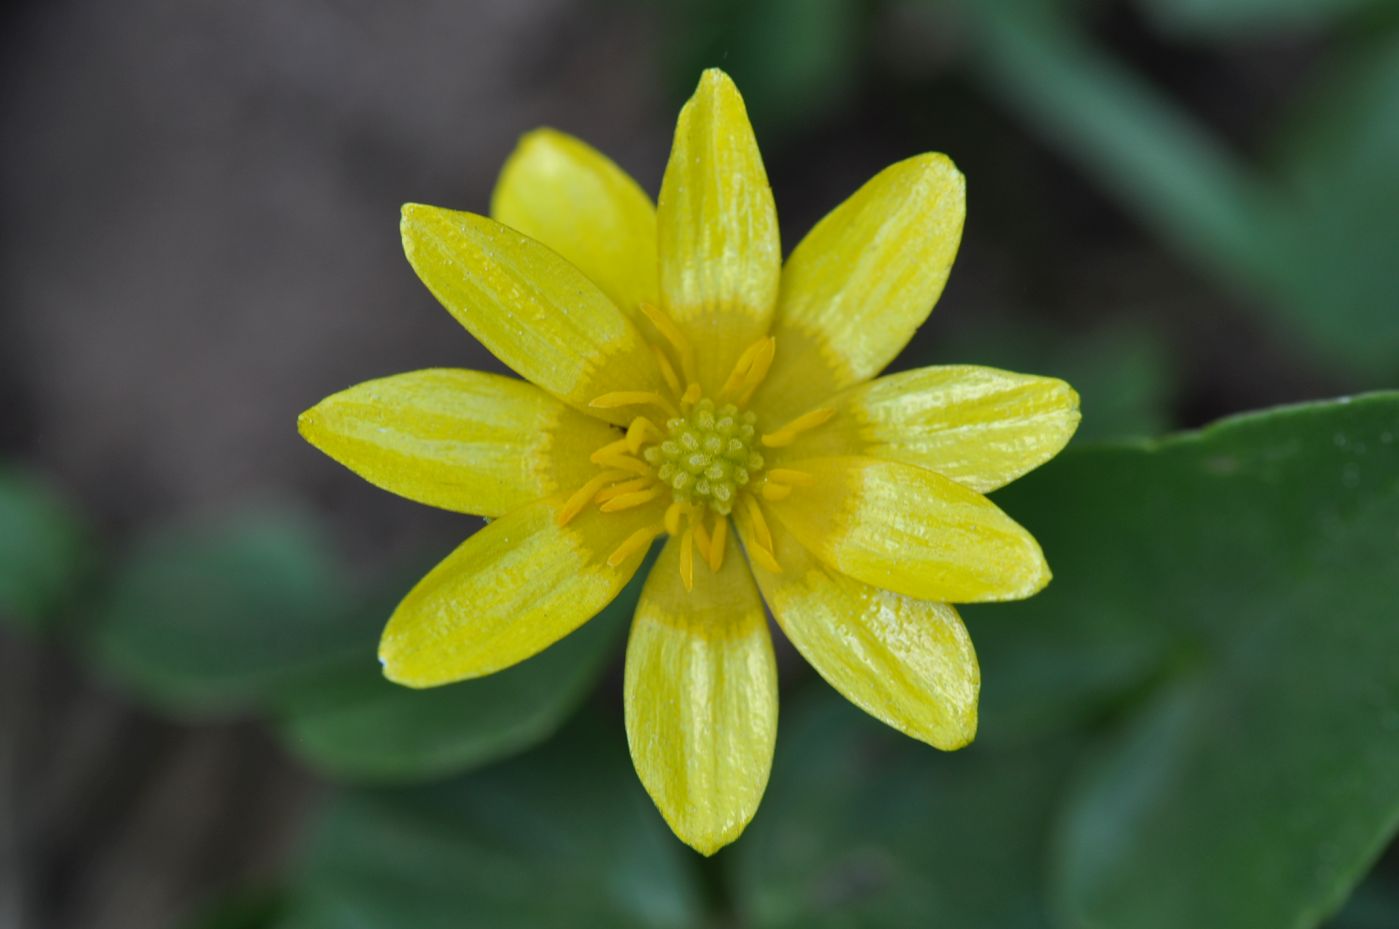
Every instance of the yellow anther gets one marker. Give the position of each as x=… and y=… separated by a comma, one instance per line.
x=760, y=524
x=635, y=542
x=762, y=363
x=641, y=430
x=775, y=492
x=667, y=328
x=623, y=462
x=635, y=498
x=791, y=476
x=701, y=536
x=738, y=378
x=581, y=497
x=626, y=487
x=687, y=559
x=803, y=423
x=691, y=395
x=619, y=447
x=764, y=558
x=617, y=398
x=667, y=369
x=673, y=514
x=716, y=544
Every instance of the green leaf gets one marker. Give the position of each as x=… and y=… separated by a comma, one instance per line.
x=216, y=618
x=862, y=827
x=562, y=836
x=44, y=549
x=368, y=729
x=1259, y=778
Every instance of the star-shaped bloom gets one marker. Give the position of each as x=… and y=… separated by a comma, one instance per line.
x=682, y=383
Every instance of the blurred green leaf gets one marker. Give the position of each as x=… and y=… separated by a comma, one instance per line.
x=247, y=908
x=862, y=827
x=1233, y=19
x=792, y=58
x=368, y=729
x=1318, y=267
x=44, y=549
x=562, y=836
x=217, y=617
x=1337, y=163
x=1260, y=778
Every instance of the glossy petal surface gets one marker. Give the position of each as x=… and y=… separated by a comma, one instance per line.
x=912, y=531
x=517, y=586
x=532, y=309
x=908, y=663
x=563, y=192
x=863, y=280
x=982, y=427
x=719, y=247
x=701, y=698
x=461, y=440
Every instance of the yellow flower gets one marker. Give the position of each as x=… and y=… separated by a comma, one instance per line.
x=682, y=380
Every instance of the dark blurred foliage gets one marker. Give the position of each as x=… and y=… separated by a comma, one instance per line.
x=1187, y=208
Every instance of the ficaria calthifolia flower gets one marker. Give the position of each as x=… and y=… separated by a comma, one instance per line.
x=682, y=383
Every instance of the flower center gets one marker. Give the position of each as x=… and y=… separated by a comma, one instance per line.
x=707, y=456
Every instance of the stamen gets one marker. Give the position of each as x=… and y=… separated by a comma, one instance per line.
x=701, y=536
x=618, y=398
x=691, y=395
x=775, y=492
x=618, y=447
x=789, y=433
x=762, y=363
x=584, y=495
x=791, y=476
x=627, y=501
x=760, y=524
x=636, y=541
x=674, y=336
x=622, y=462
x=765, y=559
x=667, y=369
x=738, y=377
x=673, y=514
x=716, y=544
x=626, y=487
x=687, y=559
x=641, y=430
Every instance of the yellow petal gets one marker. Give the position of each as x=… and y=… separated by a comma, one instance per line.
x=462, y=440
x=701, y=698
x=908, y=663
x=719, y=248
x=532, y=309
x=979, y=426
x=912, y=531
x=568, y=195
x=863, y=280
x=514, y=588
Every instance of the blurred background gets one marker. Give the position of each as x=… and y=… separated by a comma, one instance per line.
x=1186, y=208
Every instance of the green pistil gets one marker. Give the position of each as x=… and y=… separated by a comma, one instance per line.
x=707, y=455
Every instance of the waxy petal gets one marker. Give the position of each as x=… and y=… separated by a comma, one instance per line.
x=701, y=698
x=979, y=426
x=719, y=248
x=912, y=531
x=908, y=663
x=532, y=309
x=863, y=280
x=461, y=440
x=563, y=192
x=511, y=590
